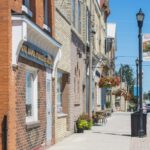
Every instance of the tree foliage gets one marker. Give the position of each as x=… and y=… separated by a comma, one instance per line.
x=146, y=95
x=126, y=74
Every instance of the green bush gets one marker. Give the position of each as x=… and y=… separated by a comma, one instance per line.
x=107, y=104
x=82, y=124
x=89, y=125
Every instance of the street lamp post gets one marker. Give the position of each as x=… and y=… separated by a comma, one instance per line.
x=137, y=81
x=140, y=18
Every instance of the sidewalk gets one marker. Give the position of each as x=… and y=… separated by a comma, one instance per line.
x=115, y=135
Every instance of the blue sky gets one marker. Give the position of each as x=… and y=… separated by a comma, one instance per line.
x=123, y=13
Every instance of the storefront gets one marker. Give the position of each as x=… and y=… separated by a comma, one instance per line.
x=34, y=59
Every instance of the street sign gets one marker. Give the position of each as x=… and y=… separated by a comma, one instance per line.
x=135, y=90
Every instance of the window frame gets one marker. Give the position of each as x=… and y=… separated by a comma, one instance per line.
x=26, y=8
x=26, y=3
x=34, y=116
x=79, y=16
x=87, y=25
x=59, y=104
x=73, y=5
x=46, y=25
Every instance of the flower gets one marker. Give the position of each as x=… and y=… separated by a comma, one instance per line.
x=122, y=92
x=109, y=82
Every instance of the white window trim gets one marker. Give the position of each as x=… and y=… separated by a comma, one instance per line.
x=34, y=118
x=98, y=96
x=59, y=105
x=87, y=27
x=46, y=27
x=27, y=10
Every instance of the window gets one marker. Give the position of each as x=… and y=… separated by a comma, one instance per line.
x=26, y=3
x=98, y=95
x=79, y=16
x=59, y=92
x=73, y=12
x=31, y=96
x=46, y=12
x=26, y=8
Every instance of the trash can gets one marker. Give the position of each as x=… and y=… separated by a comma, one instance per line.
x=135, y=123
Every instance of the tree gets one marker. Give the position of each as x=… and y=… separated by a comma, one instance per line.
x=146, y=95
x=126, y=75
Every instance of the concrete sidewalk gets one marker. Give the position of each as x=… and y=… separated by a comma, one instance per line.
x=115, y=135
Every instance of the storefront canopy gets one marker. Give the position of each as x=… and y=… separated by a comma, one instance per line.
x=24, y=30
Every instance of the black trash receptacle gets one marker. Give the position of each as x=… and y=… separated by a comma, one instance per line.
x=135, y=123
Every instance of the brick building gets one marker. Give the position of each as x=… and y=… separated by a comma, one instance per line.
x=44, y=85
x=29, y=58
x=71, y=67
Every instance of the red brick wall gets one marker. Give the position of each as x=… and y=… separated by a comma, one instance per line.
x=4, y=59
x=16, y=5
x=29, y=139
x=52, y=17
x=37, y=9
x=8, y=83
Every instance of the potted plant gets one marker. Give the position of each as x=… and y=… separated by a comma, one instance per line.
x=109, y=82
x=95, y=118
x=81, y=125
x=88, y=119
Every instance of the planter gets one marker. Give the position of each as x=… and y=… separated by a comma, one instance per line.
x=108, y=82
x=80, y=130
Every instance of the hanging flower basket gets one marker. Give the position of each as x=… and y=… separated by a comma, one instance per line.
x=122, y=92
x=119, y=92
x=109, y=82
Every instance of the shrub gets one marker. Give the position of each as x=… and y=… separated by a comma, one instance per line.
x=82, y=124
x=108, y=104
x=85, y=122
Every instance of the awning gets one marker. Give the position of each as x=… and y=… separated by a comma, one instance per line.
x=24, y=30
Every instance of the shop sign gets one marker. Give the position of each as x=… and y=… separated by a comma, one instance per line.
x=146, y=47
x=35, y=54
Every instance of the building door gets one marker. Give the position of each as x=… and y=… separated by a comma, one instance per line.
x=48, y=107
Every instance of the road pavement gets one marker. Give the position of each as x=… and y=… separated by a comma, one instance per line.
x=114, y=135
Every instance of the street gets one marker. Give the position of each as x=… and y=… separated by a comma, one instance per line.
x=114, y=135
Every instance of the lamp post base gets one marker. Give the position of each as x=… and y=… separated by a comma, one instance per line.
x=141, y=133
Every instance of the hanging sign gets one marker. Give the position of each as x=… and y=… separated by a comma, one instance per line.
x=146, y=47
x=35, y=54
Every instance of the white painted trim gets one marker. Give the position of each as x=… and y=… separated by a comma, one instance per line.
x=23, y=29
x=34, y=117
x=46, y=27
x=57, y=59
x=35, y=27
x=27, y=10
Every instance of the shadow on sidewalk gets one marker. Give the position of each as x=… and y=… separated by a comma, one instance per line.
x=119, y=134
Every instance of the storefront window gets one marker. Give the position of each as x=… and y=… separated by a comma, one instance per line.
x=26, y=3
x=31, y=96
x=59, y=92
x=46, y=12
